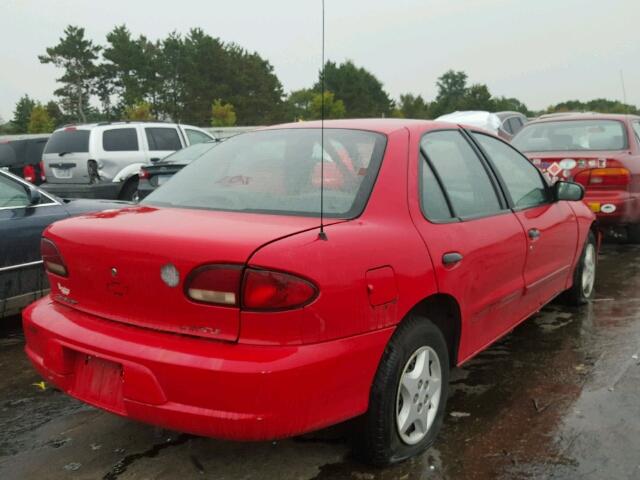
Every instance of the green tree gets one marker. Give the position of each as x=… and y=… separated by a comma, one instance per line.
x=511, y=104
x=140, y=112
x=411, y=106
x=55, y=114
x=298, y=104
x=22, y=114
x=333, y=108
x=452, y=89
x=601, y=105
x=39, y=121
x=362, y=93
x=477, y=97
x=222, y=114
x=76, y=55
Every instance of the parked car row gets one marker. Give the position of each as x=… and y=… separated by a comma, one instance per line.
x=301, y=275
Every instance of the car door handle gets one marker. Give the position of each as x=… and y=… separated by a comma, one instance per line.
x=451, y=258
x=534, y=233
x=155, y=159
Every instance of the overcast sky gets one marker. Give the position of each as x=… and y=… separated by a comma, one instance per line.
x=540, y=51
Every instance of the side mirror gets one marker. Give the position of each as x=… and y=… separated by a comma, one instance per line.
x=569, y=191
x=34, y=195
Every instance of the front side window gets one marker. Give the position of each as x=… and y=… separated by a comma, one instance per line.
x=120, y=140
x=571, y=135
x=195, y=136
x=523, y=180
x=462, y=174
x=12, y=193
x=279, y=172
x=162, y=138
x=68, y=140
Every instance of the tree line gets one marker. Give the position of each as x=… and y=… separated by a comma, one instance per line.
x=201, y=80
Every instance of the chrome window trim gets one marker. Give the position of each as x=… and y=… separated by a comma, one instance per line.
x=20, y=265
x=11, y=176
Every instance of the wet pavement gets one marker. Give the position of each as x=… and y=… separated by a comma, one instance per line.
x=557, y=398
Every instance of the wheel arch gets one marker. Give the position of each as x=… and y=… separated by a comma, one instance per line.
x=444, y=312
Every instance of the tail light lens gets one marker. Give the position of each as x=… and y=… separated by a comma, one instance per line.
x=253, y=289
x=143, y=174
x=215, y=284
x=52, y=259
x=29, y=173
x=43, y=177
x=604, y=177
x=267, y=290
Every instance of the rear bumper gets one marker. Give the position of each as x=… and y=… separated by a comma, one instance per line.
x=106, y=190
x=614, y=208
x=211, y=388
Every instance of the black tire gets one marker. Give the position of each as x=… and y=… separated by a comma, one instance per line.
x=577, y=294
x=129, y=189
x=378, y=441
x=633, y=233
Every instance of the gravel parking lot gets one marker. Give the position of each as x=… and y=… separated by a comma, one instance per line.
x=557, y=398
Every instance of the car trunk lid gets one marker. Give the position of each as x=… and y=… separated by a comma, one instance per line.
x=114, y=259
x=567, y=165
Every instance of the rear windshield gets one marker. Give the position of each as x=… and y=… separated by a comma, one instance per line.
x=571, y=135
x=68, y=141
x=189, y=154
x=278, y=172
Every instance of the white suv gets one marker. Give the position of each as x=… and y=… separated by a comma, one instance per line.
x=102, y=160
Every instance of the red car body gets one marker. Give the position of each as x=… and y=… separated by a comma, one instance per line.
x=611, y=177
x=126, y=342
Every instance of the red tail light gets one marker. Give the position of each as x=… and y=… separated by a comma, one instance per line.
x=215, y=284
x=43, y=177
x=52, y=259
x=29, y=173
x=267, y=290
x=261, y=289
x=143, y=173
x=604, y=177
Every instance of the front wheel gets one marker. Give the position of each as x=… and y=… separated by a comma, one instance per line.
x=584, y=276
x=408, y=396
x=129, y=190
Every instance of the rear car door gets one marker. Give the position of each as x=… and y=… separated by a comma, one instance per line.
x=551, y=227
x=118, y=147
x=476, y=243
x=162, y=141
x=21, y=227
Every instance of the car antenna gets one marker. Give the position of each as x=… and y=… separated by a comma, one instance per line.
x=322, y=235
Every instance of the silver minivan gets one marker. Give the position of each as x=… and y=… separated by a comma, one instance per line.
x=102, y=160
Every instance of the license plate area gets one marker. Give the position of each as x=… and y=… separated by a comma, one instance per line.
x=62, y=172
x=162, y=179
x=98, y=382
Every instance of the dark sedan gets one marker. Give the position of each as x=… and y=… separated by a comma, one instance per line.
x=25, y=211
x=152, y=176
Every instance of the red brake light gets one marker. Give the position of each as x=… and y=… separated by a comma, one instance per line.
x=215, y=284
x=43, y=177
x=604, y=177
x=143, y=173
x=268, y=290
x=29, y=173
x=52, y=259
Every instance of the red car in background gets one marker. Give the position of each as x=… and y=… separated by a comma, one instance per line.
x=601, y=152
x=217, y=307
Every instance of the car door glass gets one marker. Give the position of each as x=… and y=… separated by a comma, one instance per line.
x=523, y=180
x=195, y=136
x=506, y=126
x=636, y=128
x=516, y=124
x=462, y=174
x=432, y=200
x=12, y=193
x=162, y=138
x=120, y=140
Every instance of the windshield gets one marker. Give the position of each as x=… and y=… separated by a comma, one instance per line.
x=68, y=141
x=278, y=171
x=189, y=154
x=571, y=135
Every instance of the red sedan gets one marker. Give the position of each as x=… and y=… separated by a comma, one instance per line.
x=601, y=152
x=217, y=307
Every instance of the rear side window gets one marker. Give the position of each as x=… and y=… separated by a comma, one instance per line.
x=68, y=141
x=516, y=124
x=160, y=138
x=636, y=128
x=463, y=176
x=195, y=136
x=432, y=200
x=522, y=179
x=120, y=140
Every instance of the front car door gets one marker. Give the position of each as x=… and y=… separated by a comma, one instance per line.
x=551, y=227
x=476, y=243
x=22, y=278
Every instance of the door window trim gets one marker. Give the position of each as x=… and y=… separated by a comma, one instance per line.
x=10, y=176
x=503, y=185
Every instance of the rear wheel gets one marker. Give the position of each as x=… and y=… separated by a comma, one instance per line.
x=129, y=189
x=408, y=396
x=584, y=276
x=633, y=233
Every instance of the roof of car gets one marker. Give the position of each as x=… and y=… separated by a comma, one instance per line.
x=561, y=117
x=89, y=126
x=381, y=125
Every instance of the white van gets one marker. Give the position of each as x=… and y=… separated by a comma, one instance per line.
x=102, y=160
